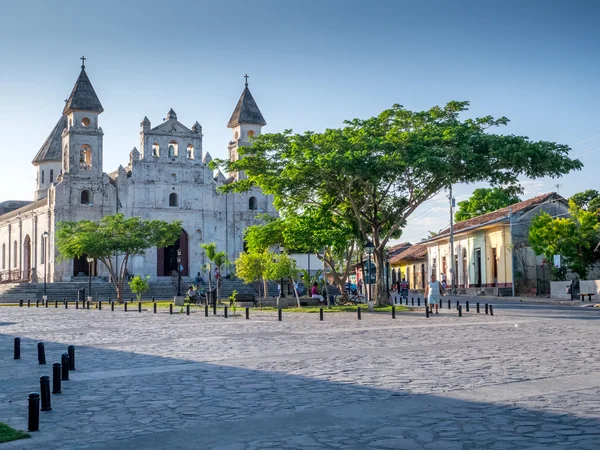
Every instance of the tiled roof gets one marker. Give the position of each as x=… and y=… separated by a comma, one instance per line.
x=83, y=97
x=418, y=251
x=398, y=248
x=498, y=215
x=51, y=150
x=246, y=111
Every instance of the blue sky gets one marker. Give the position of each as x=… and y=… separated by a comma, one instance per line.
x=312, y=64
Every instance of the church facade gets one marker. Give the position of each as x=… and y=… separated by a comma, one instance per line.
x=167, y=178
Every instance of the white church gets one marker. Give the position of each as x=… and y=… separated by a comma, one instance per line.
x=168, y=178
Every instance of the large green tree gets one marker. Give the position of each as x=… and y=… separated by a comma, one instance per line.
x=485, y=200
x=574, y=238
x=380, y=170
x=588, y=200
x=113, y=239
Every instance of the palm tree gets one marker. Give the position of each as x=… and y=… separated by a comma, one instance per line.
x=219, y=259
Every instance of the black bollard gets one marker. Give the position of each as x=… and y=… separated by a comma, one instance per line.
x=459, y=311
x=131, y=299
x=441, y=303
x=28, y=303
x=99, y=305
x=33, y=422
x=41, y=353
x=457, y=304
x=321, y=314
x=412, y=301
x=66, y=304
x=393, y=311
x=154, y=306
x=56, y=370
x=140, y=307
x=187, y=310
x=125, y=306
x=37, y=302
x=46, y=302
x=21, y=303
x=478, y=308
x=88, y=305
x=224, y=311
x=64, y=363
x=247, y=313
x=17, y=352
x=406, y=301
x=170, y=308
x=491, y=310
x=279, y=314
x=76, y=304
x=358, y=312
x=206, y=310
x=71, y=353
x=153, y=301
x=214, y=308
x=467, y=305
x=45, y=393
x=427, y=310
x=418, y=301
x=112, y=305
x=449, y=305
x=55, y=303
x=486, y=309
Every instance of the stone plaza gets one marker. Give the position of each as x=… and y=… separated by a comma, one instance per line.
x=526, y=377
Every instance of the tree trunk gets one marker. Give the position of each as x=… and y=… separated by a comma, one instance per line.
x=295, y=292
x=380, y=291
x=265, y=288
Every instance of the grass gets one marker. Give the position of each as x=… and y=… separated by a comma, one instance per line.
x=8, y=434
x=334, y=309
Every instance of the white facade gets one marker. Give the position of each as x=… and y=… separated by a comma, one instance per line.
x=167, y=179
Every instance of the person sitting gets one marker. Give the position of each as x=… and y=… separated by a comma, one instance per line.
x=314, y=293
x=192, y=294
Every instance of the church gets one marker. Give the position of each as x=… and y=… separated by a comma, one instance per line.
x=167, y=178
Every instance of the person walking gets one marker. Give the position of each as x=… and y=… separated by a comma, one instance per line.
x=433, y=292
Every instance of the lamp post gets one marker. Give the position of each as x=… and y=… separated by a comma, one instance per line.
x=281, y=293
x=386, y=256
x=369, y=248
x=45, y=239
x=90, y=260
x=178, y=272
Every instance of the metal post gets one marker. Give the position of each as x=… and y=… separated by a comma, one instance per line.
x=71, y=353
x=45, y=393
x=170, y=308
x=28, y=303
x=140, y=307
x=358, y=313
x=491, y=310
x=33, y=422
x=478, y=308
x=510, y=219
x=393, y=312
x=370, y=298
x=279, y=315
x=41, y=353
x=125, y=306
x=89, y=279
x=21, y=303
x=66, y=304
x=64, y=365
x=76, y=304
x=112, y=305
x=426, y=309
x=247, y=313
x=187, y=309
x=154, y=306
x=467, y=305
x=99, y=305
x=321, y=314
x=37, y=302
x=45, y=235
x=453, y=269
x=486, y=309
x=17, y=349
x=56, y=370
x=206, y=310
x=224, y=311
x=457, y=304
x=459, y=310
x=449, y=305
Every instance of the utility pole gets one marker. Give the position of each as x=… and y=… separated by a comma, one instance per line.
x=453, y=269
x=512, y=241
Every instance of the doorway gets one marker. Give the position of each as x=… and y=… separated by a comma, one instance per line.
x=495, y=267
x=166, y=257
x=82, y=268
x=477, y=267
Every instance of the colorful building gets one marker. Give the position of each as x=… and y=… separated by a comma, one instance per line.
x=411, y=264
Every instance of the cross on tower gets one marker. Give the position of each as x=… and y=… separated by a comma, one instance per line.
x=246, y=77
x=83, y=62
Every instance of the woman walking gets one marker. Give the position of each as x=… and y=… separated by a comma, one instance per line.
x=433, y=292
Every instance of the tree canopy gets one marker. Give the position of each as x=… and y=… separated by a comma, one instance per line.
x=111, y=236
x=574, y=238
x=588, y=200
x=485, y=200
x=379, y=170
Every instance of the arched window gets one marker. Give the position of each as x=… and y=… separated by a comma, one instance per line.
x=86, y=122
x=236, y=136
x=199, y=235
x=86, y=197
x=173, y=149
x=42, y=248
x=42, y=177
x=250, y=134
x=173, y=199
x=85, y=158
x=51, y=175
x=155, y=150
x=15, y=254
x=190, y=151
x=3, y=256
x=173, y=177
x=252, y=203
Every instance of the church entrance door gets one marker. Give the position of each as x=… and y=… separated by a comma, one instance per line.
x=82, y=268
x=26, y=258
x=166, y=258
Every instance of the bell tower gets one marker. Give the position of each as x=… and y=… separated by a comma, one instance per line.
x=246, y=123
x=82, y=138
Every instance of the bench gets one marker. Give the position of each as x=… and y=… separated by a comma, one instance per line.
x=244, y=298
x=583, y=297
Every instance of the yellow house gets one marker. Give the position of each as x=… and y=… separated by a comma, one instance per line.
x=483, y=247
x=411, y=264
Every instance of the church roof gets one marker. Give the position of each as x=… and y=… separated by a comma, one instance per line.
x=83, y=97
x=51, y=150
x=246, y=111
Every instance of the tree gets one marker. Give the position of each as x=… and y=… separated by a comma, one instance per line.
x=282, y=267
x=588, y=200
x=218, y=259
x=252, y=266
x=485, y=200
x=114, y=236
x=379, y=170
x=574, y=238
x=139, y=285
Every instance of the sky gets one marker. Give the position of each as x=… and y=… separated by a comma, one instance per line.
x=312, y=64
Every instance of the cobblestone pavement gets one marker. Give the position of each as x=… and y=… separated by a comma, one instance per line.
x=524, y=378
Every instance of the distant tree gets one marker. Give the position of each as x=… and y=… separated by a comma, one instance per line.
x=113, y=235
x=485, y=200
x=252, y=266
x=218, y=259
x=588, y=200
x=574, y=238
x=139, y=285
